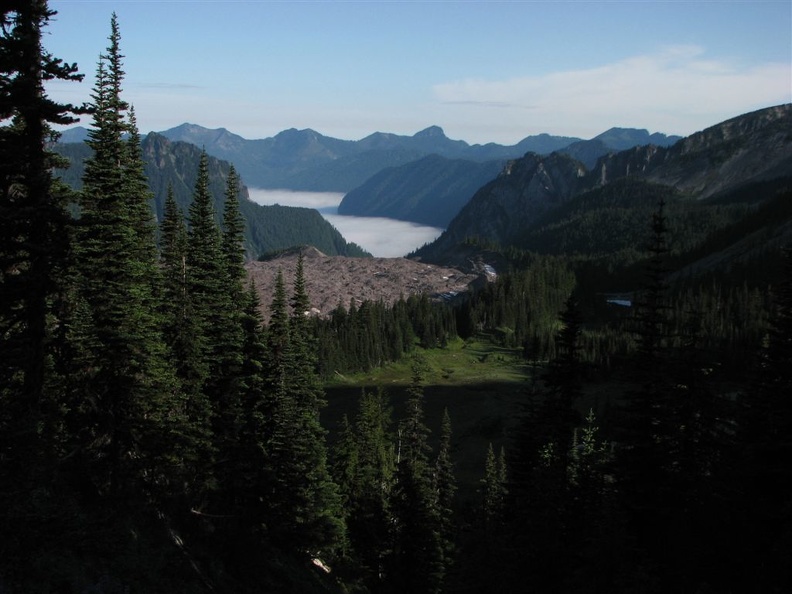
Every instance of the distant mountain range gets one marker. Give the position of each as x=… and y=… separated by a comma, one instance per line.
x=425, y=178
x=307, y=160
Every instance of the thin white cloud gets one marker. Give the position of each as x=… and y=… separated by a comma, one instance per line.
x=676, y=90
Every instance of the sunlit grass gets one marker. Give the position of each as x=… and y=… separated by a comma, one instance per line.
x=459, y=363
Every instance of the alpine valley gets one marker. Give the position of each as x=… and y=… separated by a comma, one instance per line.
x=582, y=386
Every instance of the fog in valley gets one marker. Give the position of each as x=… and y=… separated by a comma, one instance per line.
x=384, y=238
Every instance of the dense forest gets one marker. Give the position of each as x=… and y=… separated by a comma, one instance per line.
x=157, y=436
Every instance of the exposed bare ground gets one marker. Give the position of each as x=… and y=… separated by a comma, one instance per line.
x=334, y=280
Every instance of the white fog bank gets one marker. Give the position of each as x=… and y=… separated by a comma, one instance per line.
x=382, y=237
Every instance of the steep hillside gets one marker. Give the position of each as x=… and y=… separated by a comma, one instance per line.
x=542, y=203
x=753, y=147
x=175, y=164
x=502, y=209
x=429, y=191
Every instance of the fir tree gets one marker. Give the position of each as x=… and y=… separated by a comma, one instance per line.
x=417, y=557
x=34, y=243
x=368, y=493
x=234, y=238
x=493, y=488
x=762, y=480
x=217, y=318
x=128, y=403
x=304, y=501
x=445, y=487
x=33, y=217
x=185, y=343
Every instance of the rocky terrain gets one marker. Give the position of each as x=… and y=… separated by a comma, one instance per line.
x=334, y=280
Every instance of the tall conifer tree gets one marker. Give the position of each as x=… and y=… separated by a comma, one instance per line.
x=127, y=404
x=185, y=342
x=217, y=315
x=34, y=245
x=445, y=488
x=416, y=563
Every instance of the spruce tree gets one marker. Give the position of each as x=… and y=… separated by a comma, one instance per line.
x=233, y=240
x=304, y=501
x=365, y=480
x=34, y=243
x=647, y=427
x=324, y=514
x=218, y=318
x=185, y=342
x=127, y=406
x=445, y=487
x=33, y=216
x=762, y=481
x=416, y=563
x=492, y=495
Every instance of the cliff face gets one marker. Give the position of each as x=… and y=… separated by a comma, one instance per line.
x=747, y=149
x=753, y=147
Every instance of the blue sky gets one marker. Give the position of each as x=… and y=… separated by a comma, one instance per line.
x=483, y=71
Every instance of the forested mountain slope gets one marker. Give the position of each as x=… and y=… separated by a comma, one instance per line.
x=175, y=164
x=429, y=191
x=530, y=205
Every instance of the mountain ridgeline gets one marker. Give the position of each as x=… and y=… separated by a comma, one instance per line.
x=307, y=160
x=175, y=165
x=554, y=204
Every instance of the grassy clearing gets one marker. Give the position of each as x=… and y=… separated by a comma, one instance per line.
x=475, y=361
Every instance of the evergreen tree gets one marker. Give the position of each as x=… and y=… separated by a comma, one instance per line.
x=33, y=217
x=493, y=489
x=218, y=318
x=233, y=240
x=324, y=514
x=127, y=404
x=445, y=487
x=365, y=480
x=304, y=501
x=35, y=512
x=417, y=557
x=185, y=343
x=648, y=424
x=763, y=480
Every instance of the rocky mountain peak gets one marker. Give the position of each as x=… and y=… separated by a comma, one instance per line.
x=430, y=132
